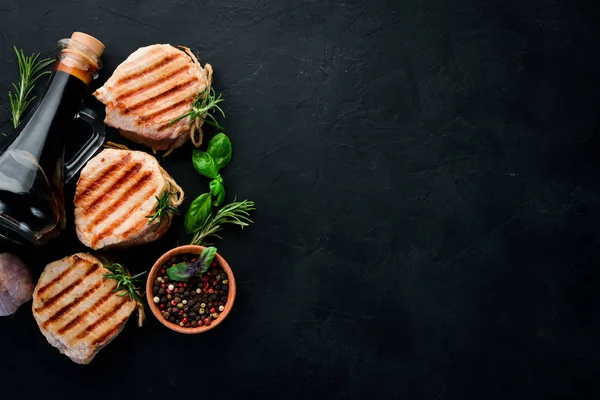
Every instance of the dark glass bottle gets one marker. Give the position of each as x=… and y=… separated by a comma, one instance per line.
x=32, y=165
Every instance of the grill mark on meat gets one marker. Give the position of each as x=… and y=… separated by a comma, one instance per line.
x=167, y=125
x=136, y=91
x=104, y=317
x=97, y=182
x=168, y=59
x=134, y=169
x=166, y=110
x=114, y=206
x=141, y=182
x=111, y=332
x=177, y=89
x=78, y=319
x=57, y=278
x=63, y=311
x=51, y=301
x=134, y=228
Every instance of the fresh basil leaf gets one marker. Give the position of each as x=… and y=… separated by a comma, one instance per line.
x=218, y=191
x=220, y=198
x=199, y=210
x=219, y=148
x=207, y=255
x=204, y=164
x=180, y=272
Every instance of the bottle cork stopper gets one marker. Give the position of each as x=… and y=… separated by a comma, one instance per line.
x=91, y=42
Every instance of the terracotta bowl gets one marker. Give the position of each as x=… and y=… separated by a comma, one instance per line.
x=190, y=249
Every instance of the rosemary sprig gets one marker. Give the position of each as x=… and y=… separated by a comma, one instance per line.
x=30, y=70
x=126, y=284
x=163, y=209
x=235, y=213
x=206, y=102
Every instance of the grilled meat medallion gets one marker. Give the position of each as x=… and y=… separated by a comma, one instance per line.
x=152, y=87
x=76, y=307
x=115, y=194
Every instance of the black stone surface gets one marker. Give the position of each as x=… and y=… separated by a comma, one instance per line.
x=427, y=181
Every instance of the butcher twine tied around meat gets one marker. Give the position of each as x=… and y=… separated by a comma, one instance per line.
x=196, y=133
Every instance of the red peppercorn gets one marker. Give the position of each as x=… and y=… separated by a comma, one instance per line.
x=180, y=285
x=211, y=291
x=184, y=320
x=215, y=283
x=162, y=285
x=214, y=264
x=200, y=323
x=161, y=306
x=187, y=325
x=185, y=285
x=181, y=312
x=173, y=303
x=212, y=310
x=169, y=291
x=205, y=285
x=206, y=321
x=162, y=271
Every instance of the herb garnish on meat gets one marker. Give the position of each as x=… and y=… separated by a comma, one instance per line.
x=163, y=209
x=126, y=284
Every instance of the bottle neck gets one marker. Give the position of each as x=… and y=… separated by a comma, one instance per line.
x=78, y=60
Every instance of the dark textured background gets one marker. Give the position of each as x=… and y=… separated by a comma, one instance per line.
x=427, y=179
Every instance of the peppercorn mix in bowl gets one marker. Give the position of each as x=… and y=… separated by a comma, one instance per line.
x=192, y=303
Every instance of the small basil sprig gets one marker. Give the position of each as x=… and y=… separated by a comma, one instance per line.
x=211, y=161
x=199, y=211
x=201, y=220
x=204, y=164
x=183, y=271
x=217, y=190
x=220, y=150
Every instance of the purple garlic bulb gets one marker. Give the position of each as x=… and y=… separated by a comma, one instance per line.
x=16, y=285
